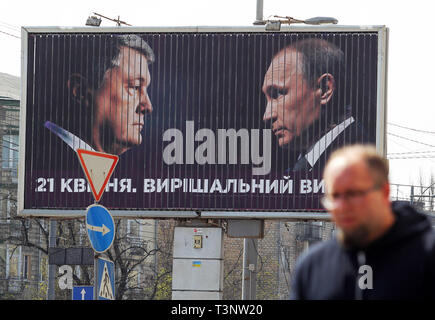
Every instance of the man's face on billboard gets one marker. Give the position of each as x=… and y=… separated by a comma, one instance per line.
x=121, y=103
x=292, y=104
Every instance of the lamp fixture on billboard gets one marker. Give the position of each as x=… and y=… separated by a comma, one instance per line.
x=275, y=25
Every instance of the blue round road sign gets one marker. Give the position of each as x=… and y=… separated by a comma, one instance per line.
x=100, y=227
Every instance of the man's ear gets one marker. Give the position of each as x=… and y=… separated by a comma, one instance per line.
x=386, y=192
x=326, y=83
x=79, y=89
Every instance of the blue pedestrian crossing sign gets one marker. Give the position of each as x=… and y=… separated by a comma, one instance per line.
x=100, y=227
x=83, y=293
x=105, y=280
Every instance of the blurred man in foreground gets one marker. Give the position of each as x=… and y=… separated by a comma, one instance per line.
x=382, y=250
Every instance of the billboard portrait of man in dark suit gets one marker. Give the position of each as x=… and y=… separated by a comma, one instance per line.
x=105, y=96
x=305, y=108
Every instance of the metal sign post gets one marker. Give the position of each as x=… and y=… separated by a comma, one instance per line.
x=101, y=233
x=52, y=267
x=249, y=287
x=98, y=168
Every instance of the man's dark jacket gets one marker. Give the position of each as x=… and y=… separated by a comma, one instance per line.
x=402, y=263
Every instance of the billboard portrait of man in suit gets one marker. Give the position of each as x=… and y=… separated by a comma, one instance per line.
x=105, y=94
x=305, y=108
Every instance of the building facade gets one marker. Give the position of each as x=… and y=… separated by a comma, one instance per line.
x=22, y=267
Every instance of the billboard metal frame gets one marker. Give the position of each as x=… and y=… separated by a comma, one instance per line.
x=381, y=107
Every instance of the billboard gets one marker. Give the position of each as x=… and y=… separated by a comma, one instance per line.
x=235, y=120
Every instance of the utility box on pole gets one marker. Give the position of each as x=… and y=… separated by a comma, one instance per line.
x=198, y=263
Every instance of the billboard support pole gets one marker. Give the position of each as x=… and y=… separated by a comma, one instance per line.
x=52, y=267
x=249, y=276
x=95, y=276
x=259, y=13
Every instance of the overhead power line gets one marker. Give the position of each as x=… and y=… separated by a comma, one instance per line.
x=12, y=149
x=415, y=141
x=9, y=34
x=412, y=157
x=10, y=143
x=413, y=129
x=10, y=26
x=410, y=152
x=399, y=144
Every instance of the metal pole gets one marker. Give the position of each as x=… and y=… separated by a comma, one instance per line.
x=259, y=14
x=52, y=267
x=244, y=271
x=156, y=225
x=259, y=10
x=249, y=269
x=412, y=195
x=95, y=276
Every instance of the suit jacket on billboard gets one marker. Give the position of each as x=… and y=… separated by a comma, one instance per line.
x=70, y=139
x=347, y=132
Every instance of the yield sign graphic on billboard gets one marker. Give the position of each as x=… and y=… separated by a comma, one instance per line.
x=98, y=167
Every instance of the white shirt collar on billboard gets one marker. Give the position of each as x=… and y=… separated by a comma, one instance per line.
x=323, y=143
x=70, y=139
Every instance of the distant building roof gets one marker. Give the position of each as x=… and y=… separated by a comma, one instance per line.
x=9, y=86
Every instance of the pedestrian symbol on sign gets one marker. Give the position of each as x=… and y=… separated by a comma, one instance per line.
x=106, y=290
x=106, y=280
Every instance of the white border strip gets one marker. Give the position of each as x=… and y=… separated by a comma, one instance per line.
x=146, y=214
x=22, y=128
x=381, y=114
x=193, y=29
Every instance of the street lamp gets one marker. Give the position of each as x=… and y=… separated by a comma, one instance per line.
x=275, y=24
x=93, y=21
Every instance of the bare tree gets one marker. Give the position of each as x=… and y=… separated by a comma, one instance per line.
x=133, y=257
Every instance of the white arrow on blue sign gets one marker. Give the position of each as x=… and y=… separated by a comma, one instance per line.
x=83, y=293
x=100, y=227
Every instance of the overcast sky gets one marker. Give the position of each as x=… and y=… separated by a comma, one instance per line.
x=411, y=65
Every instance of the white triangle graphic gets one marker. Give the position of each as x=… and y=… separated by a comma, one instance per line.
x=106, y=290
x=98, y=167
